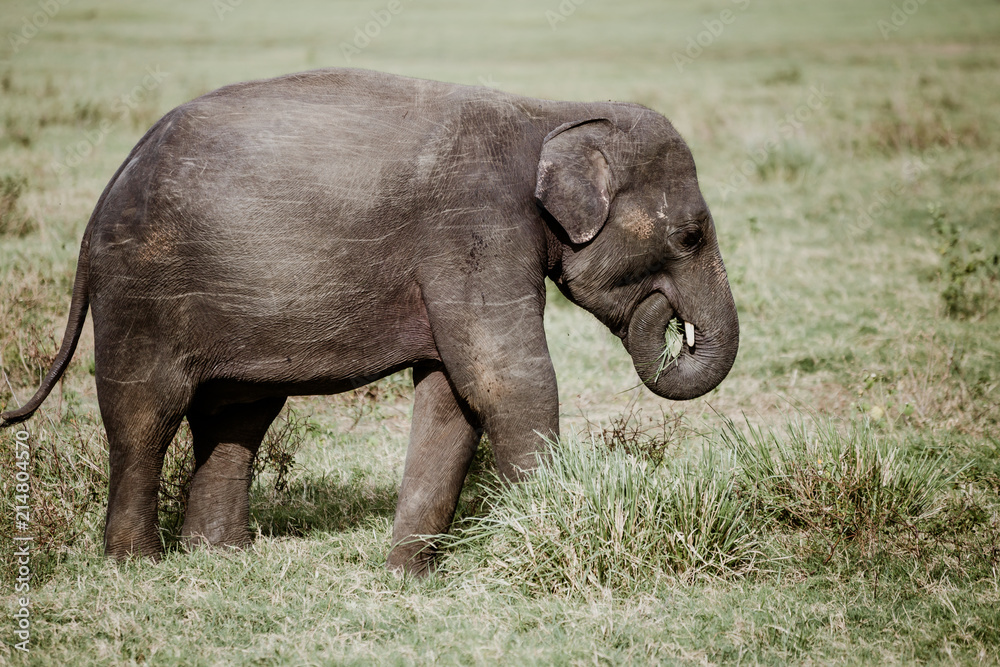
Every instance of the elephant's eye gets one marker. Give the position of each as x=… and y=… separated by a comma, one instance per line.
x=690, y=238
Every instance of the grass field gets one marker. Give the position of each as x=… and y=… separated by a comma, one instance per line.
x=834, y=501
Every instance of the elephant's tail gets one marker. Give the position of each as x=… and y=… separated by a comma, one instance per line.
x=77, y=316
x=81, y=293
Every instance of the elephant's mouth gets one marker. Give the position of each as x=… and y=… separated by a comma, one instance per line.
x=678, y=337
x=677, y=356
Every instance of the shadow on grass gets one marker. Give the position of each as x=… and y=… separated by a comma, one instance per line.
x=321, y=504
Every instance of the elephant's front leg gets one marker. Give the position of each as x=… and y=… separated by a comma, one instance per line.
x=504, y=374
x=443, y=440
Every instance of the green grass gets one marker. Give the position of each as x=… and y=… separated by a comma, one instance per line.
x=598, y=519
x=852, y=517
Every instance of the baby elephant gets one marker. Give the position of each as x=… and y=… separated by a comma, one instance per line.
x=315, y=232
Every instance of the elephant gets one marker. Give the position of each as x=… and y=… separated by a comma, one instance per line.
x=314, y=232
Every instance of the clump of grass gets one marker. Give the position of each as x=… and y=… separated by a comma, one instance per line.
x=785, y=75
x=592, y=517
x=276, y=455
x=13, y=221
x=960, y=542
x=843, y=488
x=90, y=112
x=26, y=353
x=479, y=481
x=176, y=476
x=17, y=130
x=918, y=122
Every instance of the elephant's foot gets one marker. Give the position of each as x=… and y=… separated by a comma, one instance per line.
x=218, y=509
x=123, y=543
x=131, y=527
x=216, y=528
x=415, y=557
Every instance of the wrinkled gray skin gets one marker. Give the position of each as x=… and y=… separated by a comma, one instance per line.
x=312, y=233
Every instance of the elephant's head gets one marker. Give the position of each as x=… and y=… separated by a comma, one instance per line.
x=636, y=245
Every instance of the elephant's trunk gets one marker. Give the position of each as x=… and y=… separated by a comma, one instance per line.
x=698, y=368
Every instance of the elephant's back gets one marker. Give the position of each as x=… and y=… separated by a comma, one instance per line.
x=284, y=199
x=310, y=164
x=334, y=183
x=286, y=164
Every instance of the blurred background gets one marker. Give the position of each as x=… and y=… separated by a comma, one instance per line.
x=825, y=132
x=848, y=150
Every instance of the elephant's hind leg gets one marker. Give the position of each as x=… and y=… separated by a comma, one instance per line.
x=225, y=443
x=443, y=441
x=140, y=426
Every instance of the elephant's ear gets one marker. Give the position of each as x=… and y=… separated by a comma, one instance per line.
x=574, y=177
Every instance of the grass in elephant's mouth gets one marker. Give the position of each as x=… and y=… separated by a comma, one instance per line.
x=673, y=343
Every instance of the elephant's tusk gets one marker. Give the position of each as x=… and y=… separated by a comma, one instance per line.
x=689, y=333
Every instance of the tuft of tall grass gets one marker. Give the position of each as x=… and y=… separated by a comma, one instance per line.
x=593, y=517
x=841, y=486
x=614, y=513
